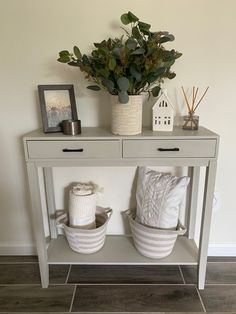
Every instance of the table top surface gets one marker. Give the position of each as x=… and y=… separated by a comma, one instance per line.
x=105, y=133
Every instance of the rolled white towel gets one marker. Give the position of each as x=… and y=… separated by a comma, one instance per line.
x=82, y=189
x=82, y=204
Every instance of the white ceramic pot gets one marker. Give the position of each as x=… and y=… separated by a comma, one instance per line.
x=126, y=119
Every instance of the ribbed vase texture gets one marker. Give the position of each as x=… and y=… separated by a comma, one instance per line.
x=126, y=119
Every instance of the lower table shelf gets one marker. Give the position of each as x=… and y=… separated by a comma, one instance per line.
x=119, y=249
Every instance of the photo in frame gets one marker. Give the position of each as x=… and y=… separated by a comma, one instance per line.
x=57, y=103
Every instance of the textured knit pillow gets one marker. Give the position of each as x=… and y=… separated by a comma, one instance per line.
x=158, y=197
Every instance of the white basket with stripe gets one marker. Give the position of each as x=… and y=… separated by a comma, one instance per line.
x=153, y=242
x=86, y=241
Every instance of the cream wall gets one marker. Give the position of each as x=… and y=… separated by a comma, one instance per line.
x=31, y=34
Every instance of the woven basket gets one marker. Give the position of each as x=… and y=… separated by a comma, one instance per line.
x=86, y=241
x=126, y=119
x=153, y=242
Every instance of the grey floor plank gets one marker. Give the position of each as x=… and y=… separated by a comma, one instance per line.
x=18, y=258
x=95, y=312
x=125, y=274
x=136, y=298
x=19, y=274
x=200, y=312
x=217, y=273
x=124, y=312
x=221, y=259
x=29, y=273
x=32, y=298
x=58, y=273
x=219, y=298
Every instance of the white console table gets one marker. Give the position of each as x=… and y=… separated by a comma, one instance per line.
x=98, y=147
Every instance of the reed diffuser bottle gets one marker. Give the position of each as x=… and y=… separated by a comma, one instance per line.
x=191, y=120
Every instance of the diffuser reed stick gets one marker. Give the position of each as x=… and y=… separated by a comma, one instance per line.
x=194, y=106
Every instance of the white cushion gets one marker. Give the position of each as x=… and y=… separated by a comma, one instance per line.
x=159, y=196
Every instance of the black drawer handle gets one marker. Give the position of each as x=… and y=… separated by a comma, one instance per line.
x=175, y=149
x=73, y=150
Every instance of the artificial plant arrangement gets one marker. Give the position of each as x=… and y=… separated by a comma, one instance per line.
x=129, y=65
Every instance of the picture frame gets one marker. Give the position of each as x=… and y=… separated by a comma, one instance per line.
x=57, y=103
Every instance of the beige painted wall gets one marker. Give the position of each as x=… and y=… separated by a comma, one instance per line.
x=31, y=34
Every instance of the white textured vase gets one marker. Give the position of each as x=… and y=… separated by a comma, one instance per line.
x=126, y=119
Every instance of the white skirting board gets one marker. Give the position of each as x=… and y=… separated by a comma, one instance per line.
x=225, y=249
x=222, y=249
x=18, y=249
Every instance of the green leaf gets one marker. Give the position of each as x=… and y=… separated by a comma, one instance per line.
x=152, y=78
x=77, y=53
x=132, y=17
x=125, y=19
x=136, y=33
x=138, y=51
x=94, y=87
x=102, y=52
x=155, y=91
x=167, y=38
x=85, y=60
x=112, y=64
x=178, y=54
x=170, y=75
x=168, y=64
x=109, y=85
x=144, y=26
x=103, y=72
x=116, y=52
x=123, y=83
x=64, y=59
x=131, y=85
x=123, y=97
x=162, y=33
x=150, y=51
x=73, y=63
x=128, y=18
x=64, y=53
x=145, y=32
x=131, y=43
x=98, y=65
x=97, y=45
x=171, y=37
x=159, y=71
x=168, y=55
x=134, y=72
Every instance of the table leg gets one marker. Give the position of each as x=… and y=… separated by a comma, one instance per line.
x=49, y=187
x=38, y=222
x=206, y=222
x=194, y=174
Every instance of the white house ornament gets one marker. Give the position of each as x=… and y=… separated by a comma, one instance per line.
x=163, y=114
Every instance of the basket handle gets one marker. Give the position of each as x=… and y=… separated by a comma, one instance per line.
x=127, y=212
x=109, y=211
x=59, y=220
x=181, y=229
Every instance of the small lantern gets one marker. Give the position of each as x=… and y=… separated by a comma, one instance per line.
x=163, y=114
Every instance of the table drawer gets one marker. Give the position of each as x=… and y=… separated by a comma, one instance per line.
x=73, y=149
x=169, y=148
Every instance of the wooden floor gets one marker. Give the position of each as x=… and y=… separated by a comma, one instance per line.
x=116, y=289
